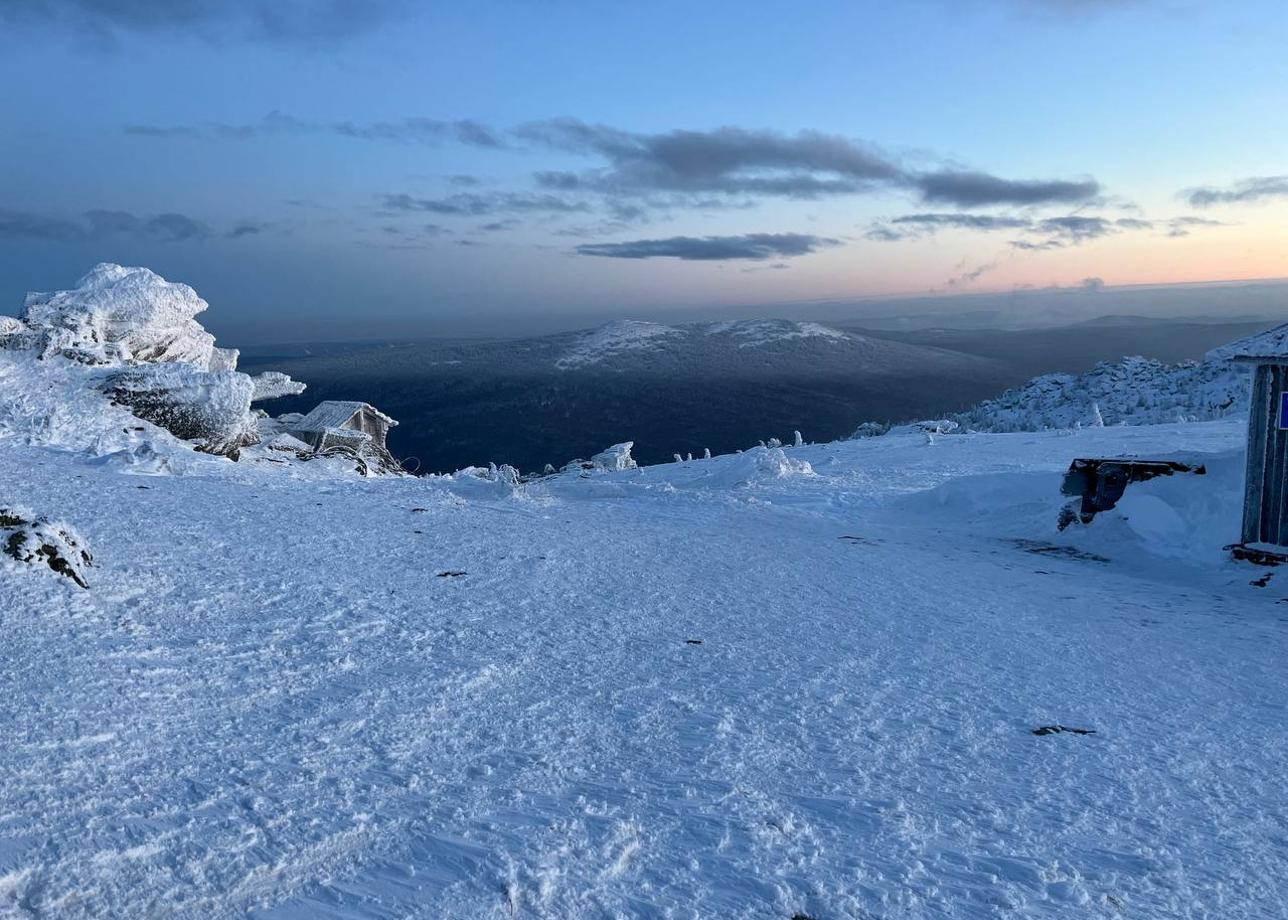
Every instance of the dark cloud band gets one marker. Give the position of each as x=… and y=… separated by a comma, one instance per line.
x=755, y=247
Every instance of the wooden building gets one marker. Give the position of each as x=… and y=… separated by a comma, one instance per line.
x=1265, y=496
x=334, y=423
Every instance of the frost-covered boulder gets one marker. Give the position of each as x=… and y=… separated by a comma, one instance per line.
x=119, y=315
x=40, y=541
x=210, y=407
x=617, y=457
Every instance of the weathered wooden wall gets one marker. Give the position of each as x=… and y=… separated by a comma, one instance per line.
x=1265, y=515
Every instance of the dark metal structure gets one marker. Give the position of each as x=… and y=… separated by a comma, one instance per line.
x=1100, y=482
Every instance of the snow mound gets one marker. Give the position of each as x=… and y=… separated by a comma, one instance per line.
x=751, y=468
x=763, y=332
x=118, y=315
x=611, y=339
x=1133, y=391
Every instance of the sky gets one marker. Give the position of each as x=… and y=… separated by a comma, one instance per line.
x=346, y=169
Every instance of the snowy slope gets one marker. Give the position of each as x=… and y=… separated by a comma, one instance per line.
x=607, y=341
x=273, y=702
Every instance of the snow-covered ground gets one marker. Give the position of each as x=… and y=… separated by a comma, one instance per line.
x=291, y=693
x=790, y=682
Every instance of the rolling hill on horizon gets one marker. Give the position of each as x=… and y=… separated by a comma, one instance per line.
x=671, y=389
x=681, y=388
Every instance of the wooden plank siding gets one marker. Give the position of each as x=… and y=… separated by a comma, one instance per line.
x=1265, y=512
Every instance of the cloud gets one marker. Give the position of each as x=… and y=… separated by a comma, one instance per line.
x=99, y=224
x=911, y=226
x=302, y=21
x=22, y=225
x=476, y=205
x=1075, y=229
x=1181, y=226
x=174, y=228
x=1092, y=284
x=1245, y=191
x=975, y=189
x=246, y=228
x=750, y=246
x=974, y=274
x=758, y=163
x=809, y=164
x=403, y=131
x=718, y=168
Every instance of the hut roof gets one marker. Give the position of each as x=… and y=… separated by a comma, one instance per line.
x=1271, y=345
x=334, y=413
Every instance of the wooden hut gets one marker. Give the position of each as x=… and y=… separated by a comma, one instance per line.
x=1265, y=496
x=336, y=423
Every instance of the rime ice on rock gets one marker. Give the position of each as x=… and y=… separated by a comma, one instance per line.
x=119, y=315
x=40, y=541
x=161, y=364
x=275, y=385
x=617, y=457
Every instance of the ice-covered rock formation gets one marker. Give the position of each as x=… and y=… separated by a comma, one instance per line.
x=138, y=337
x=617, y=457
x=209, y=407
x=119, y=315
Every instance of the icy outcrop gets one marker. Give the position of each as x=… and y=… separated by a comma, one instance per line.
x=40, y=541
x=617, y=457
x=134, y=337
x=210, y=407
x=118, y=315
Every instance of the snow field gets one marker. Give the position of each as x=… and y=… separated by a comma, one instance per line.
x=272, y=702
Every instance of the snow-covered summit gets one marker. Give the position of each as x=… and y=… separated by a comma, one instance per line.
x=764, y=331
x=611, y=339
x=614, y=339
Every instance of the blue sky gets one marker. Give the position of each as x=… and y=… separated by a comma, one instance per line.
x=399, y=168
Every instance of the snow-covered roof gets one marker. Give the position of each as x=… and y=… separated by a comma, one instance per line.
x=334, y=413
x=1271, y=345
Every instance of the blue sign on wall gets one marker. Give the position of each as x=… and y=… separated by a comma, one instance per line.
x=1283, y=411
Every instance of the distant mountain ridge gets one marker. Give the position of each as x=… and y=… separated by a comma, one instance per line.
x=670, y=388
